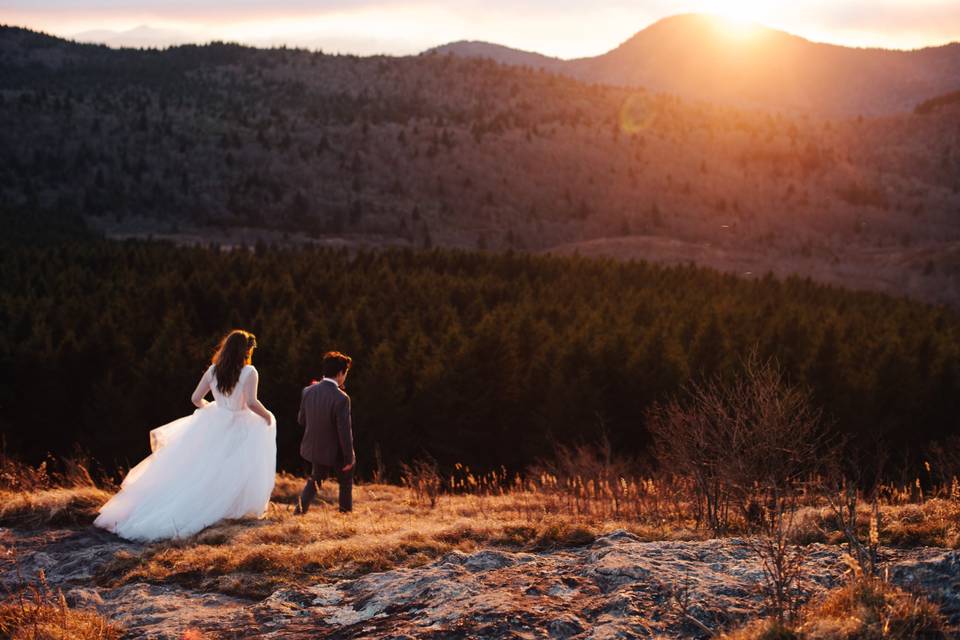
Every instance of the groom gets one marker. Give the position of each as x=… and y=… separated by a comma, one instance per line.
x=328, y=437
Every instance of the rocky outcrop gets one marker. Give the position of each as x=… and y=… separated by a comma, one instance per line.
x=616, y=587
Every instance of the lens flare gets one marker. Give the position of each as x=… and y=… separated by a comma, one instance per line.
x=637, y=113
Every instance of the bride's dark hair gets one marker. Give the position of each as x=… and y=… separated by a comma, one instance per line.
x=235, y=351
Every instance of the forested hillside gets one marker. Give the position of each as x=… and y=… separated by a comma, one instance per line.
x=488, y=360
x=434, y=150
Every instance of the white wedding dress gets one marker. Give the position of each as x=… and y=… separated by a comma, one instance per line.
x=217, y=463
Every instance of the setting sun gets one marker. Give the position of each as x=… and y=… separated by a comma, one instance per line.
x=739, y=18
x=737, y=27
x=739, y=12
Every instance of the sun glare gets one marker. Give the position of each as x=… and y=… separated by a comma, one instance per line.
x=739, y=11
x=738, y=17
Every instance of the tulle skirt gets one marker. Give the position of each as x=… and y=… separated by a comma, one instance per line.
x=213, y=464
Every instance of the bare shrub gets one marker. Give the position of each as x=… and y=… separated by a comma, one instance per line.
x=681, y=597
x=423, y=478
x=745, y=443
x=782, y=562
x=591, y=475
x=843, y=504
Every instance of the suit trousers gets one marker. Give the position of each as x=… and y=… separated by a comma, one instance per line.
x=317, y=473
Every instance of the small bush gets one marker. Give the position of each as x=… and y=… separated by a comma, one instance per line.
x=872, y=608
x=423, y=477
x=863, y=609
x=742, y=442
x=39, y=613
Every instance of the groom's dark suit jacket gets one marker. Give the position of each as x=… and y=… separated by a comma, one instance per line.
x=325, y=417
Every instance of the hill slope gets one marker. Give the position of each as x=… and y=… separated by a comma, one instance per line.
x=501, y=54
x=701, y=57
x=200, y=142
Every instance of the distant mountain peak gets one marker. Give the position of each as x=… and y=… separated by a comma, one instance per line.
x=711, y=57
x=498, y=53
x=702, y=20
x=698, y=29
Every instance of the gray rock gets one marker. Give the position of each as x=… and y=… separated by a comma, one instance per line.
x=937, y=574
x=617, y=587
x=66, y=556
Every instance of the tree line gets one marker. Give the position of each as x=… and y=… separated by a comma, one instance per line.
x=488, y=360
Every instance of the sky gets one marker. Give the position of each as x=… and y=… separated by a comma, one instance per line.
x=563, y=28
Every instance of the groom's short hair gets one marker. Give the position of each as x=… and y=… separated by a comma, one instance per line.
x=335, y=363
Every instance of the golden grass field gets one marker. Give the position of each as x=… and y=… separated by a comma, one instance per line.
x=402, y=526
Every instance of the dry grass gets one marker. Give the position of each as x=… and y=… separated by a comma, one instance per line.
x=396, y=526
x=60, y=506
x=934, y=522
x=389, y=528
x=871, y=608
x=41, y=496
x=863, y=609
x=39, y=613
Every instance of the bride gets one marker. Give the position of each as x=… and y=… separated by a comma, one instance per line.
x=217, y=463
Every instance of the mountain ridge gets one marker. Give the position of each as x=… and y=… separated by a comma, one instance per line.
x=442, y=48
x=142, y=36
x=199, y=142
x=698, y=56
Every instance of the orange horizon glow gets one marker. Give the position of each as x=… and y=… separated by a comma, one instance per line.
x=397, y=27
